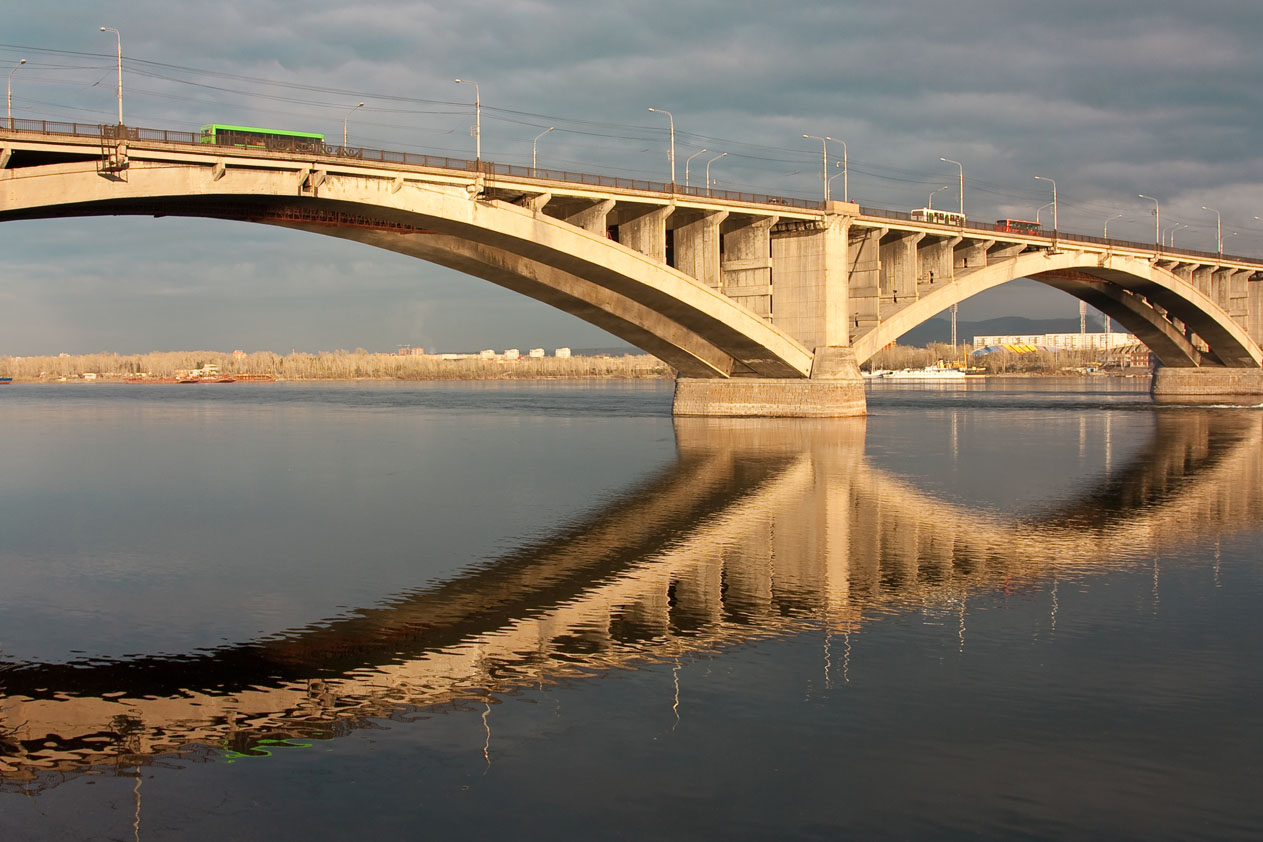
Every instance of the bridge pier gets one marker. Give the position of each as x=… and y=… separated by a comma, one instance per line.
x=1207, y=384
x=834, y=390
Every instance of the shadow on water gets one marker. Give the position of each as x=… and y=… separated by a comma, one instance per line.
x=756, y=530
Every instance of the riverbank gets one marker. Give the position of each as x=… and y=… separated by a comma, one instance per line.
x=329, y=365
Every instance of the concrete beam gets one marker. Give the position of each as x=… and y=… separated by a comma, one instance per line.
x=5, y=154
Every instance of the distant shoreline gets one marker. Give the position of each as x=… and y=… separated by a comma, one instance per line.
x=327, y=366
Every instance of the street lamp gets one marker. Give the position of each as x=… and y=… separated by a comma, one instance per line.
x=1157, y=219
x=708, y=163
x=846, y=188
x=671, y=148
x=11, y=72
x=1170, y=240
x=962, y=181
x=930, y=203
x=477, y=118
x=825, y=149
x=1105, y=233
x=535, y=143
x=841, y=175
x=344, y=119
x=686, y=164
x=119, y=38
x=1219, y=229
x=1039, y=210
x=1054, y=201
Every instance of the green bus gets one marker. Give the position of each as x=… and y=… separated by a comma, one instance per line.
x=249, y=137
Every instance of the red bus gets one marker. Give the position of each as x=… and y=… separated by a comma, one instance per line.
x=1017, y=226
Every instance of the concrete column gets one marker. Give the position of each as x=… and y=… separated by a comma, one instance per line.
x=1254, y=307
x=864, y=280
x=809, y=275
x=1221, y=286
x=697, y=249
x=1202, y=276
x=746, y=271
x=594, y=218
x=898, y=270
x=934, y=262
x=971, y=254
x=1183, y=271
x=647, y=233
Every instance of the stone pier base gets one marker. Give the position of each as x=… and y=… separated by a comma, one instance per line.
x=742, y=397
x=1208, y=385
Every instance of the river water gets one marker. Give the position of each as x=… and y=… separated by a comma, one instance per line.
x=1015, y=609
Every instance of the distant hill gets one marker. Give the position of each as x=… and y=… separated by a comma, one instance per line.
x=939, y=329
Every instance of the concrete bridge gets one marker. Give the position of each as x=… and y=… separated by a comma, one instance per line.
x=764, y=305
x=759, y=529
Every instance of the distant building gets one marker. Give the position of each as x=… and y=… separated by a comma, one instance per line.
x=487, y=354
x=535, y=352
x=1061, y=341
x=512, y=353
x=238, y=355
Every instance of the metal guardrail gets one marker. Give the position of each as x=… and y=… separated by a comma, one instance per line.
x=489, y=168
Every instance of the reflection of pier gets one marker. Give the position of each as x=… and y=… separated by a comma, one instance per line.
x=759, y=528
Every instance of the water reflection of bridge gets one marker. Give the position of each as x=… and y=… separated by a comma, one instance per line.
x=758, y=529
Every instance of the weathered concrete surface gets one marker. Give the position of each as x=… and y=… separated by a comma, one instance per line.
x=1208, y=385
x=768, y=398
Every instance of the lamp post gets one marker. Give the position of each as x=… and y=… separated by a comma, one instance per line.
x=11, y=72
x=119, y=38
x=1105, y=233
x=846, y=191
x=671, y=147
x=1157, y=219
x=1168, y=236
x=824, y=147
x=477, y=118
x=1054, y=201
x=841, y=175
x=708, y=163
x=535, y=143
x=930, y=203
x=1219, y=229
x=686, y=164
x=1039, y=210
x=962, y=181
x=344, y=121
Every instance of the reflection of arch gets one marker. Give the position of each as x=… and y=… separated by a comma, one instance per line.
x=695, y=329
x=1145, y=298
x=682, y=562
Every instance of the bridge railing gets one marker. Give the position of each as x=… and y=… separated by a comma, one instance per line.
x=491, y=169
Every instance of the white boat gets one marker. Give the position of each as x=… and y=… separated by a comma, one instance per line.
x=939, y=372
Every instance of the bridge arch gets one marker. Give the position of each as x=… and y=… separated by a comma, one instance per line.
x=1180, y=323
x=693, y=328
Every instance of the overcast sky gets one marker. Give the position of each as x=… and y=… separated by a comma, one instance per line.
x=1161, y=97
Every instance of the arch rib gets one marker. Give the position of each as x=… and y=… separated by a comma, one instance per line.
x=1149, y=286
x=693, y=327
